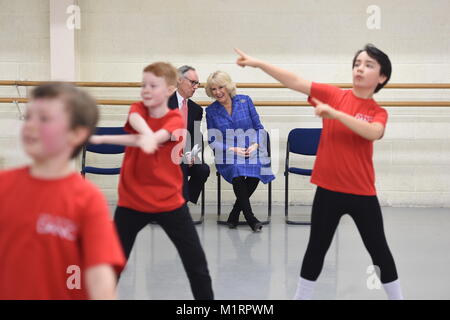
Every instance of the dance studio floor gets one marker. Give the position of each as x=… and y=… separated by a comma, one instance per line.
x=266, y=265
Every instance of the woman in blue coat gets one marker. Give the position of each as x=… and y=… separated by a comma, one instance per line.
x=239, y=141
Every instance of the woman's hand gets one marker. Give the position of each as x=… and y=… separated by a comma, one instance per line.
x=239, y=151
x=324, y=110
x=252, y=148
x=245, y=60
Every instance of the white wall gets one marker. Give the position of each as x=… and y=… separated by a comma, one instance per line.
x=314, y=38
x=24, y=55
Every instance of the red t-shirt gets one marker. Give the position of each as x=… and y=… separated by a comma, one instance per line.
x=51, y=231
x=153, y=183
x=344, y=159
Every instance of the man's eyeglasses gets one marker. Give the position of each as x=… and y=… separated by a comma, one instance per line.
x=193, y=82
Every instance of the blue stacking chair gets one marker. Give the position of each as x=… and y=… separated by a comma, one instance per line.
x=103, y=149
x=303, y=141
x=269, y=195
x=117, y=149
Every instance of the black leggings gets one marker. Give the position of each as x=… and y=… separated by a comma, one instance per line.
x=179, y=227
x=327, y=210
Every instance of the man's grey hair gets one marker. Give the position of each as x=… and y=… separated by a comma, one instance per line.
x=183, y=69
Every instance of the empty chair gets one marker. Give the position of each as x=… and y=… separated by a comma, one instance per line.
x=303, y=141
x=103, y=149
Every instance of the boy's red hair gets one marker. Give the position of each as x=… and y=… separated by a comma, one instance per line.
x=164, y=70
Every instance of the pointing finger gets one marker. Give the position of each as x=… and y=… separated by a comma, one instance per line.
x=239, y=52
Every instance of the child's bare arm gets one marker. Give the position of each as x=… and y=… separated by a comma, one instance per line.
x=101, y=282
x=130, y=140
x=120, y=139
x=162, y=136
x=370, y=131
x=138, y=123
x=289, y=79
x=146, y=142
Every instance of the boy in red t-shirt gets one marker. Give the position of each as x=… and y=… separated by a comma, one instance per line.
x=151, y=180
x=343, y=170
x=57, y=240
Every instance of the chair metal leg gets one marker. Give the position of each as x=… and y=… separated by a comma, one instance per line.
x=219, y=203
x=269, y=209
x=83, y=162
x=203, y=202
x=202, y=208
x=298, y=223
x=286, y=199
x=269, y=205
x=286, y=205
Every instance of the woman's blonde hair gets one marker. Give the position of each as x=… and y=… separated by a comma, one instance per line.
x=220, y=78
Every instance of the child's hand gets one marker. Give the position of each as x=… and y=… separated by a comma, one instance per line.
x=96, y=139
x=147, y=143
x=323, y=110
x=245, y=60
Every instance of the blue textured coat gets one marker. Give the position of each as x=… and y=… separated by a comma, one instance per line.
x=241, y=129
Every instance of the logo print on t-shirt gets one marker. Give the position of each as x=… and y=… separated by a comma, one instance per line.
x=57, y=226
x=364, y=117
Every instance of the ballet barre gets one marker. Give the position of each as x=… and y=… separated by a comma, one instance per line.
x=113, y=102
x=248, y=85
x=276, y=103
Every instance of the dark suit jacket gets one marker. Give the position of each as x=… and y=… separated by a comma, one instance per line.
x=195, y=114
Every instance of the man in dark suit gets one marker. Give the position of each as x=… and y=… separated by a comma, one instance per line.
x=193, y=113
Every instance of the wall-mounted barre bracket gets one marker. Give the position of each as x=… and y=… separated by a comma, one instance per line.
x=21, y=115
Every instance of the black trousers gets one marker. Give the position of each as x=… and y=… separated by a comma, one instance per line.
x=243, y=188
x=192, y=187
x=328, y=208
x=179, y=227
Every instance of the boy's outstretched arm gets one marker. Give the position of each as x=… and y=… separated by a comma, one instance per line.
x=370, y=131
x=101, y=282
x=146, y=142
x=120, y=139
x=138, y=123
x=161, y=136
x=289, y=79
